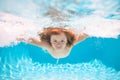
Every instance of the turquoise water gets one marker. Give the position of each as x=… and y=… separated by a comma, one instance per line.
x=95, y=58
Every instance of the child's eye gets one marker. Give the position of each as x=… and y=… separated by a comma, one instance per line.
x=62, y=41
x=55, y=41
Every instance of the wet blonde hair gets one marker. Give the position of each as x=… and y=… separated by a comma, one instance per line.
x=47, y=32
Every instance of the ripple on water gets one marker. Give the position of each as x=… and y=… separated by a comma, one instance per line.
x=27, y=70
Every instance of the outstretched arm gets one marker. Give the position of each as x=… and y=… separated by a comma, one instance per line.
x=81, y=37
x=35, y=42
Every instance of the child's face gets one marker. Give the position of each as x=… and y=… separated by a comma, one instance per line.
x=59, y=41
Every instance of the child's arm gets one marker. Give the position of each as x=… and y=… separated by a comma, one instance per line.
x=81, y=37
x=35, y=42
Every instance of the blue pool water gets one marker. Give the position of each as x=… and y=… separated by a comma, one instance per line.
x=95, y=58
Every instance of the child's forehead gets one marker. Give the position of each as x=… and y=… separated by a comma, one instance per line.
x=58, y=36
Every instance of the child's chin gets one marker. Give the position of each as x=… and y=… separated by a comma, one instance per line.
x=59, y=48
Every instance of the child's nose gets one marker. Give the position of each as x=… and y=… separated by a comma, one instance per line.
x=58, y=43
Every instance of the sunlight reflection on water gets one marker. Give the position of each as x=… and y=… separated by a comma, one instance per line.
x=25, y=69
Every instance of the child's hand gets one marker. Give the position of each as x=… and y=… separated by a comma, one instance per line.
x=20, y=38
